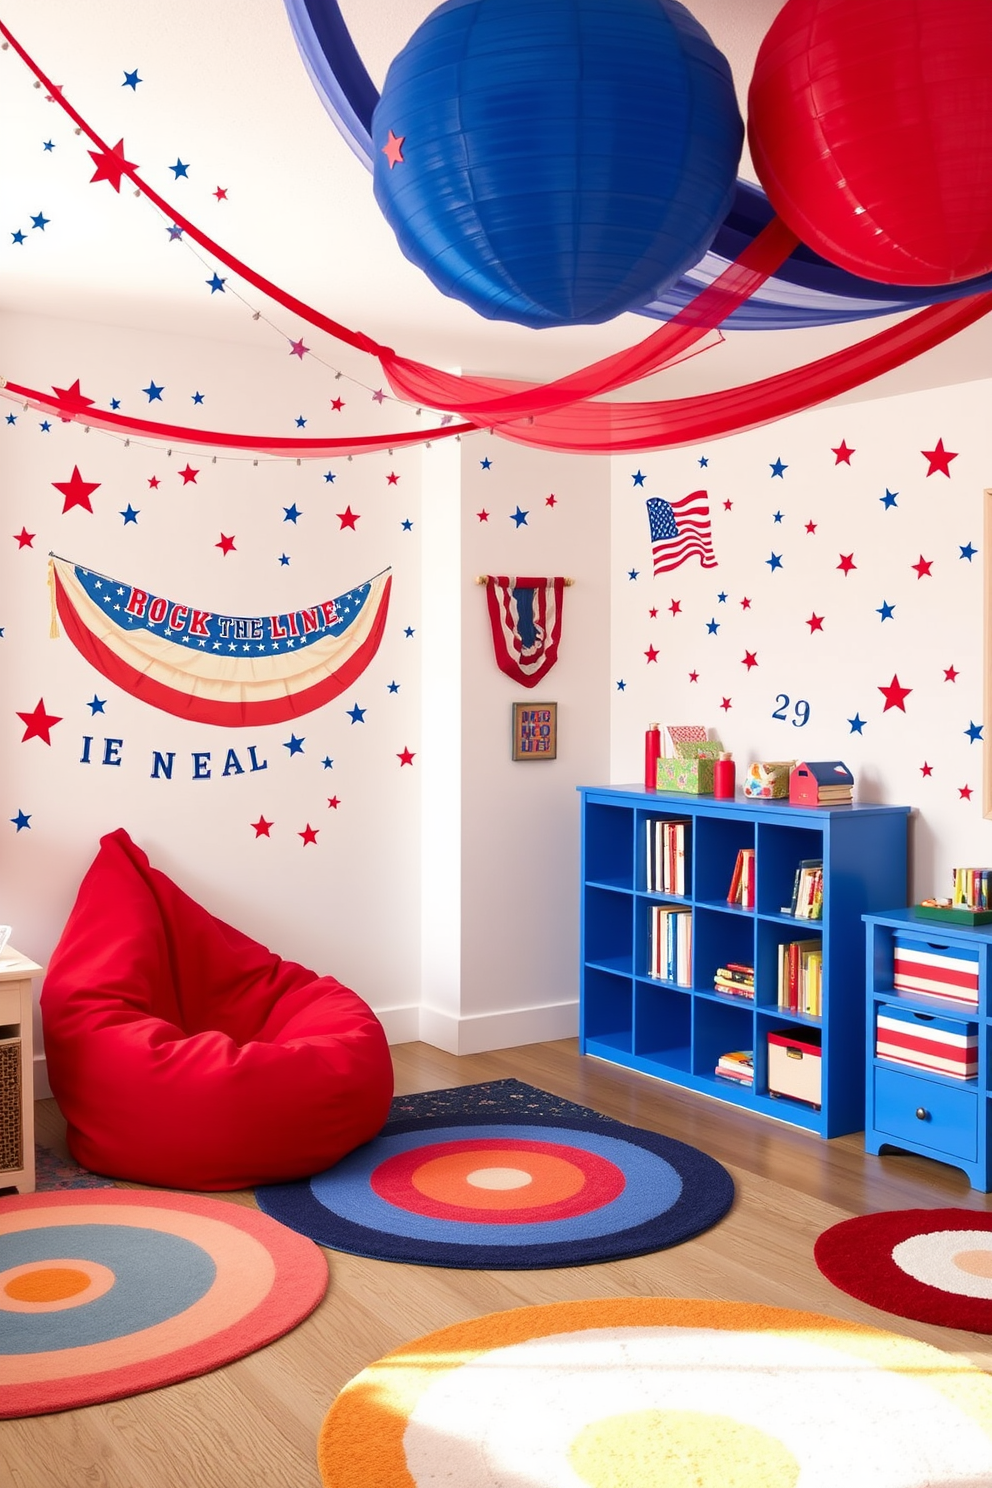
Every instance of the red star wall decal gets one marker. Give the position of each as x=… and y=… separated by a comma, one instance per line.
x=745, y=604
x=726, y=705
x=693, y=676
x=226, y=545
x=926, y=769
x=334, y=802
x=392, y=149
x=154, y=482
x=348, y=518
x=392, y=478
x=842, y=453
x=810, y=527
x=39, y=724
x=309, y=834
x=846, y=563
x=483, y=516
x=24, y=538
x=406, y=758
x=651, y=653
x=895, y=695
x=71, y=400
x=189, y=474
x=110, y=165
x=951, y=674
x=939, y=458
x=750, y=660
x=653, y=613
x=77, y=492
x=337, y=404
x=221, y=193
x=728, y=506
x=261, y=827
x=676, y=607
x=923, y=567
x=815, y=622
x=551, y=500
x=964, y=791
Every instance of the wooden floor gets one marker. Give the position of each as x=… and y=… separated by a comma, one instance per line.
x=256, y=1422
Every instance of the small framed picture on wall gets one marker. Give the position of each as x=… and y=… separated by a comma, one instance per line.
x=535, y=731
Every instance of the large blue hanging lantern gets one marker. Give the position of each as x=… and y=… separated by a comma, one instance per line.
x=556, y=162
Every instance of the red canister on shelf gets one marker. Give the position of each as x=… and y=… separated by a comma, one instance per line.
x=724, y=778
x=652, y=754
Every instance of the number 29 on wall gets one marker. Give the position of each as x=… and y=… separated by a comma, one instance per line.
x=800, y=710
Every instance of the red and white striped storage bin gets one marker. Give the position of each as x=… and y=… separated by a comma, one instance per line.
x=948, y=971
x=924, y=1041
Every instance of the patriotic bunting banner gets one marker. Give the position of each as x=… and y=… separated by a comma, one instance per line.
x=525, y=615
x=231, y=670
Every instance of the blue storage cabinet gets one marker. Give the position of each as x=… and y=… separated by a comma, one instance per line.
x=918, y=1110
x=677, y=1033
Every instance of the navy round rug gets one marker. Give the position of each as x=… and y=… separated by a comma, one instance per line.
x=508, y=1192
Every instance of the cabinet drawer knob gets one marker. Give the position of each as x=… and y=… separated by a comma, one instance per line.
x=922, y=1113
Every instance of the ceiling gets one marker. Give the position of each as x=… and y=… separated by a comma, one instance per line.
x=223, y=89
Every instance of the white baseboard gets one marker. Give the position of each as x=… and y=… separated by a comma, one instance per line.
x=481, y=1032
x=402, y=1024
x=42, y=1089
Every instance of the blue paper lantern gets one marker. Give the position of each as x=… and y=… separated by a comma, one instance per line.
x=556, y=162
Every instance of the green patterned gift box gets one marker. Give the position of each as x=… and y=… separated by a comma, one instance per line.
x=691, y=771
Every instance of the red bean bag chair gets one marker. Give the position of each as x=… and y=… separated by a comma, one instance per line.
x=185, y=1055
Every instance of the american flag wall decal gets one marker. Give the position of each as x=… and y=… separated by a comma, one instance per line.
x=680, y=530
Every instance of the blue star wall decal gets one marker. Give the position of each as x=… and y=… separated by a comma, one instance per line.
x=621, y=685
x=721, y=598
x=885, y=610
x=154, y=393
x=21, y=820
x=45, y=427
x=130, y=515
x=486, y=464
x=409, y=631
x=48, y=145
x=18, y=237
x=40, y=221
x=520, y=517
x=778, y=469
x=179, y=169
x=327, y=762
x=12, y=418
x=284, y=559
x=115, y=403
x=197, y=397
x=632, y=573
x=98, y=705
x=292, y=512
x=776, y=516
x=713, y=626
x=357, y=714
x=407, y=525
x=968, y=551
x=216, y=283
x=638, y=479
x=774, y=562
x=889, y=499
x=329, y=476
x=857, y=723
x=301, y=422
x=294, y=745
x=131, y=80
x=392, y=687
x=974, y=731
x=175, y=232
x=703, y=462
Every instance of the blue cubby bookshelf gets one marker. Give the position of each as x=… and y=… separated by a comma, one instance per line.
x=676, y=1033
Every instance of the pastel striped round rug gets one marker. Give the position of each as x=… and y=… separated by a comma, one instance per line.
x=650, y=1392
x=108, y=1293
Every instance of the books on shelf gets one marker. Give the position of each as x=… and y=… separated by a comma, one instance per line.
x=807, y=891
x=973, y=888
x=741, y=889
x=737, y=1065
x=800, y=977
x=666, y=856
x=736, y=979
x=670, y=949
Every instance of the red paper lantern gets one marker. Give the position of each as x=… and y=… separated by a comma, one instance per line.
x=870, y=126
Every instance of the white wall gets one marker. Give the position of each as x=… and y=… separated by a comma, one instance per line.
x=935, y=626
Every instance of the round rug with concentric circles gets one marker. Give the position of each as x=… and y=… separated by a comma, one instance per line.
x=933, y=1265
x=650, y=1392
x=508, y=1193
x=106, y=1294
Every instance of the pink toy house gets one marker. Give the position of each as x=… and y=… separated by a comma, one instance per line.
x=820, y=783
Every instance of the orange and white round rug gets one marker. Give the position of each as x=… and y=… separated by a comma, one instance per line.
x=650, y=1392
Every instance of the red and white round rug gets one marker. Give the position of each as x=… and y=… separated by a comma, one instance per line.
x=932, y=1265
